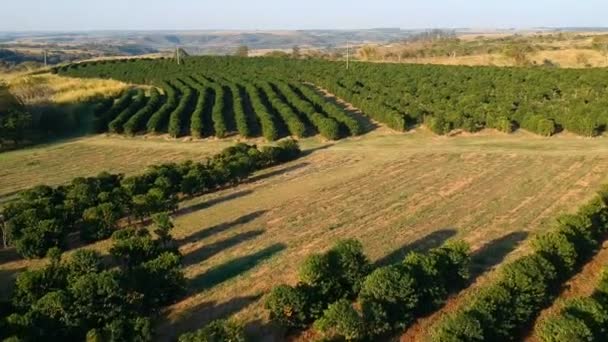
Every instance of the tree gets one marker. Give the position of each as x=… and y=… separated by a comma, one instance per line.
x=163, y=224
x=288, y=306
x=216, y=331
x=341, y=320
x=242, y=51
x=388, y=298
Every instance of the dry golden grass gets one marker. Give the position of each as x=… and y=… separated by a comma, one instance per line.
x=394, y=192
x=50, y=88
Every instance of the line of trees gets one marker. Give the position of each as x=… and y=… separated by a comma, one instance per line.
x=295, y=126
x=182, y=113
x=103, y=117
x=158, y=121
x=87, y=298
x=344, y=298
x=43, y=217
x=332, y=110
x=137, y=122
x=139, y=101
x=267, y=120
x=579, y=319
x=327, y=127
x=499, y=311
x=219, y=107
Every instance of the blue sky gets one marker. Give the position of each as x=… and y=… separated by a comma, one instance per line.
x=19, y=15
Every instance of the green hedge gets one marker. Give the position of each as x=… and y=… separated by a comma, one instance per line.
x=502, y=309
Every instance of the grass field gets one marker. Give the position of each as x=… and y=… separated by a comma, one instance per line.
x=394, y=192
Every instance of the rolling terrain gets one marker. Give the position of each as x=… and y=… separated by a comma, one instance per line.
x=394, y=192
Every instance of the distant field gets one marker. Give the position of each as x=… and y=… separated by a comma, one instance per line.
x=394, y=192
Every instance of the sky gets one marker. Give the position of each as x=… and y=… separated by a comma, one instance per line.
x=78, y=15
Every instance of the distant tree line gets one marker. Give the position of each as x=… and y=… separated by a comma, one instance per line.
x=95, y=207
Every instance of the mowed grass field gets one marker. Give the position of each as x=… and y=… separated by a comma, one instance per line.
x=394, y=192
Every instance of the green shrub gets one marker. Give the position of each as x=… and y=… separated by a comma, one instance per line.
x=341, y=320
x=216, y=331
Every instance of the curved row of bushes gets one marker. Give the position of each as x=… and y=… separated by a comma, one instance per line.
x=219, y=107
x=137, y=122
x=501, y=310
x=116, y=125
x=196, y=120
x=181, y=114
x=240, y=117
x=267, y=120
x=327, y=127
x=102, y=119
x=42, y=217
x=332, y=110
x=388, y=299
x=580, y=319
x=160, y=118
x=294, y=124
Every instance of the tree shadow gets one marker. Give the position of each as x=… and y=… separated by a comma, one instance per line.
x=260, y=330
x=433, y=240
x=9, y=196
x=277, y=172
x=8, y=255
x=211, y=202
x=233, y=268
x=494, y=252
x=203, y=314
x=313, y=150
x=222, y=227
x=7, y=282
x=205, y=252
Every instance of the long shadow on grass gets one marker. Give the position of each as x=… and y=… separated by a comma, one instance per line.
x=204, y=313
x=222, y=227
x=211, y=202
x=233, y=268
x=277, y=172
x=207, y=251
x=494, y=252
x=433, y=240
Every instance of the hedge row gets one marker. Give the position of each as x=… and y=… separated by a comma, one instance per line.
x=240, y=117
x=99, y=110
x=116, y=125
x=388, y=299
x=101, y=121
x=160, y=118
x=42, y=217
x=332, y=110
x=501, y=310
x=182, y=112
x=292, y=120
x=196, y=121
x=267, y=119
x=138, y=121
x=219, y=108
x=327, y=127
x=580, y=319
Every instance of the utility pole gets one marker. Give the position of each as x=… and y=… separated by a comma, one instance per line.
x=45, y=58
x=177, y=54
